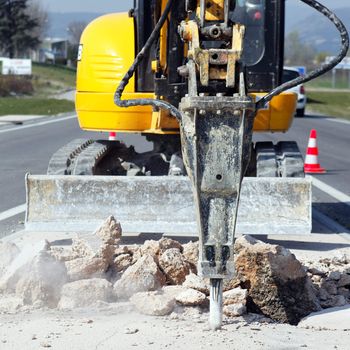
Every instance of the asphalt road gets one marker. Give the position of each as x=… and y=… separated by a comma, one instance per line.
x=28, y=148
x=333, y=138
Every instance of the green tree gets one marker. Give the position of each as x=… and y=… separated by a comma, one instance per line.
x=17, y=28
x=297, y=52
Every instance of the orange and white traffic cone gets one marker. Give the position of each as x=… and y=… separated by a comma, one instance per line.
x=311, y=165
x=112, y=136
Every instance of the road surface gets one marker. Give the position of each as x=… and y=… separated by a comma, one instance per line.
x=333, y=143
x=28, y=148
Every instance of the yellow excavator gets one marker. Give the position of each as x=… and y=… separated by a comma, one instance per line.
x=196, y=78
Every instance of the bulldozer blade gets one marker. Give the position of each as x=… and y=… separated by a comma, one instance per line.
x=160, y=204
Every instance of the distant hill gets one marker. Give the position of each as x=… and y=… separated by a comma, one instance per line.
x=313, y=28
x=319, y=32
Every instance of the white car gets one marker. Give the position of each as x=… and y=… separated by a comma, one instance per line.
x=290, y=73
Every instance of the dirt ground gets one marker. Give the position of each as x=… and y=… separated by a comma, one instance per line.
x=113, y=328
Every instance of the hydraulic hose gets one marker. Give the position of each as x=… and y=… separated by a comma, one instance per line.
x=140, y=56
x=262, y=102
x=325, y=67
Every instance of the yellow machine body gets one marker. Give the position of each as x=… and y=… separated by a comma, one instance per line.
x=107, y=50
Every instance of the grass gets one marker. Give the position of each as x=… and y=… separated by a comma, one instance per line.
x=335, y=104
x=57, y=73
x=34, y=106
x=47, y=81
x=342, y=81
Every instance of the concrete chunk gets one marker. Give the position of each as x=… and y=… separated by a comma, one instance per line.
x=143, y=276
x=175, y=267
x=85, y=293
x=191, y=297
x=153, y=303
x=277, y=283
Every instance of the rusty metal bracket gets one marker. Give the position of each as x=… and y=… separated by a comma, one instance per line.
x=218, y=64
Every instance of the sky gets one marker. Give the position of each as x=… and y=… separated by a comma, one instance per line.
x=104, y=6
x=100, y=6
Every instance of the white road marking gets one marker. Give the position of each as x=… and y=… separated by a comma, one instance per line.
x=12, y=212
x=340, y=196
x=330, y=223
x=51, y=121
x=342, y=121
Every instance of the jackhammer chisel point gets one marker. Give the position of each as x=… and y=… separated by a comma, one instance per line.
x=215, y=316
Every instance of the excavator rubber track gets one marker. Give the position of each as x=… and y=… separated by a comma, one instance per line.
x=161, y=204
x=62, y=162
x=89, y=158
x=281, y=160
x=83, y=157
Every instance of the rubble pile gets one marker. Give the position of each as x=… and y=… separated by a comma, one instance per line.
x=160, y=277
x=331, y=279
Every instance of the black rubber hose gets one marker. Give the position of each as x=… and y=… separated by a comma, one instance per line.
x=261, y=103
x=146, y=101
x=324, y=68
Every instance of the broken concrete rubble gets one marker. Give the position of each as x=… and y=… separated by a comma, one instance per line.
x=174, y=266
x=62, y=253
x=133, y=251
x=122, y=262
x=234, y=310
x=234, y=302
x=35, y=275
x=85, y=293
x=173, y=291
x=84, y=268
x=191, y=297
x=110, y=232
x=153, y=303
x=277, y=283
x=168, y=243
x=92, y=247
x=150, y=247
x=18, y=266
x=331, y=279
x=143, y=276
x=198, y=283
x=101, y=244
x=235, y=296
x=344, y=281
x=190, y=253
x=159, y=276
x=42, y=280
